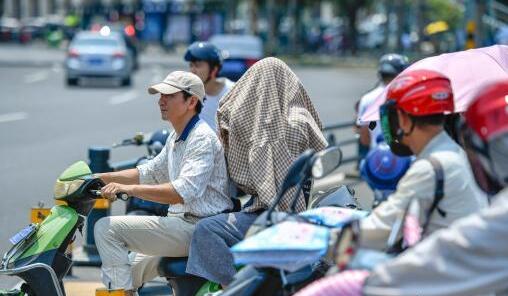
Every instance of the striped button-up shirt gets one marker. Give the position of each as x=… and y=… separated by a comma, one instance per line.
x=194, y=164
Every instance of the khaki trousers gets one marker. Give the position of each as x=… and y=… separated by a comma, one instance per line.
x=151, y=237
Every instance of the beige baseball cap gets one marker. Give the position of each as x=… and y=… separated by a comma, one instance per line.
x=180, y=81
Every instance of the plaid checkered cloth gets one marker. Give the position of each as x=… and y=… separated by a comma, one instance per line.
x=265, y=122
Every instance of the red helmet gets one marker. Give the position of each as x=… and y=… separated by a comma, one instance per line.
x=486, y=134
x=488, y=114
x=421, y=93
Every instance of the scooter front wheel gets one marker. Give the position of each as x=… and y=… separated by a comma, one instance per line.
x=26, y=290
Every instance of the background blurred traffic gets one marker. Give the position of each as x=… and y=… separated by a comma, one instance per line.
x=331, y=27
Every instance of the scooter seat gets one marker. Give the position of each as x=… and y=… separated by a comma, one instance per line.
x=173, y=267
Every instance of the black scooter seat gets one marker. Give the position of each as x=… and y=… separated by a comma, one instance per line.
x=182, y=283
x=171, y=267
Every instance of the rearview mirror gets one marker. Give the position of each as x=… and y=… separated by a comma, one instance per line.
x=326, y=161
x=297, y=171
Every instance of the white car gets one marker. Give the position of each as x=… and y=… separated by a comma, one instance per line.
x=98, y=54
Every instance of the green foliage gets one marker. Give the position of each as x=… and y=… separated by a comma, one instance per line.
x=347, y=6
x=444, y=10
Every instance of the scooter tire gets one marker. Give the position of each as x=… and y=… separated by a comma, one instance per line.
x=25, y=288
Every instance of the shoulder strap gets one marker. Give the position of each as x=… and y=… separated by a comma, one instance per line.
x=439, y=191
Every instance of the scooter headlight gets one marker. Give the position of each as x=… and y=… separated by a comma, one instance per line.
x=65, y=188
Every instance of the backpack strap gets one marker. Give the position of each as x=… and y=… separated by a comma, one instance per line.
x=439, y=191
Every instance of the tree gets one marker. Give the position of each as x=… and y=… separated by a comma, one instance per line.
x=444, y=10
x=349, y=9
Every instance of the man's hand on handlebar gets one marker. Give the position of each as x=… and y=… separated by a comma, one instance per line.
x=111, y=191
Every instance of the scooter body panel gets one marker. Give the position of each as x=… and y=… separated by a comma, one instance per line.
x=50, y=234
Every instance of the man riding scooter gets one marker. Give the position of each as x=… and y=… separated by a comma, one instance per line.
x=205, y=60
x=189, y=174
x=412, y=121
x=389, y=66
x=470, y=257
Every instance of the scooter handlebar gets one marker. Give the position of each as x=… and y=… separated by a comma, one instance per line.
x=123, y=196
x=120, y=195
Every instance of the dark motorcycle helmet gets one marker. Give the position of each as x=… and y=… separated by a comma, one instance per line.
x=485, y=135
x=418, y=93
x=382, y=169
x=157, y=141
x=392, y=64
x=203, y=51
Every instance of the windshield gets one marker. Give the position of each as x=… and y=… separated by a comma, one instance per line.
x=97, y=42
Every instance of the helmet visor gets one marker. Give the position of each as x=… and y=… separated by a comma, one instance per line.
x=498, y=150
x=481, y=163
x=385, y=111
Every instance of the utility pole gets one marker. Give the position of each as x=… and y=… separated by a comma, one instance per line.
x=16, y=9
x=230, y=15
x=253, y=16
x=51, y=6
x=420, y=21
x=481, y=10
x=34, y=8
x=271, y=45
x=401, y=23
x=293, y=12
x=67, y=5
x=388, y=10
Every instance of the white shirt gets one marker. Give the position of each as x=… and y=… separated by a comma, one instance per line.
x=211, y=104
x=462, y=196
x=367, y=100
x=195, y=165
x=469, y=258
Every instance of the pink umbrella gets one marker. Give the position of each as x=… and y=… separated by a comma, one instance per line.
x=469, y=71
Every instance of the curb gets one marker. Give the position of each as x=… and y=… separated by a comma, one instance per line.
x=46, y=64
x=303, y=61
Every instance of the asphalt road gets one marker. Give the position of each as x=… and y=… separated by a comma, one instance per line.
x=46, y=126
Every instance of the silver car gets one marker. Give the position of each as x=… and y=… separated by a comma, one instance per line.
x=98, y=54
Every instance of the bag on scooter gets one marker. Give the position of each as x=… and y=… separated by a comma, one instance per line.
x=333, y=216
x=289, y=245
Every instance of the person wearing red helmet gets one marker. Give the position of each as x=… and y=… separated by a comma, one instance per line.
x=468, y=258
x=412, y=121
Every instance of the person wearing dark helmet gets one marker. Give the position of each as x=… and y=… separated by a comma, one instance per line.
x=389, y=66
x=468, y=258
x=205, y=60
x=412, y=121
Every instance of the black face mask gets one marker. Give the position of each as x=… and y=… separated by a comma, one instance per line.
x=392, y=133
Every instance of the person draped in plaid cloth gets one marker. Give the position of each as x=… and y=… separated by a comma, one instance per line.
x=264, y=122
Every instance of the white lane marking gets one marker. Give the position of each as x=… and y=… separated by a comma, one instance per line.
x=57, y=67
x=37, y=76
x=13, y=116
x=123, y=98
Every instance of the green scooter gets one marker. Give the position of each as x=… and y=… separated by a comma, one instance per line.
x=40, y=254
